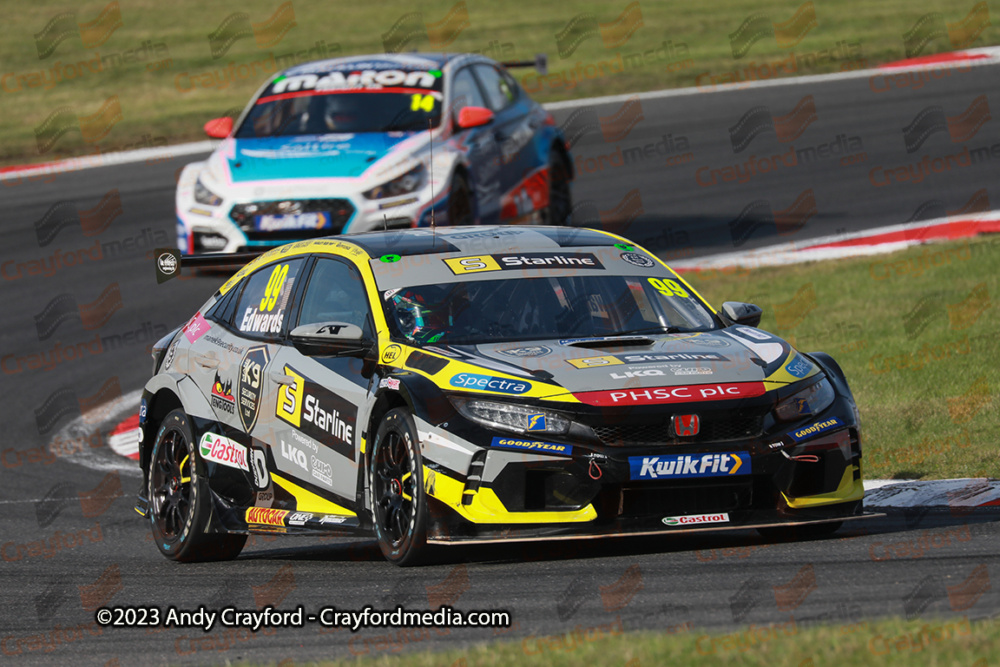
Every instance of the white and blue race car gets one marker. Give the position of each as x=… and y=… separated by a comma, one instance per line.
x=387, y=141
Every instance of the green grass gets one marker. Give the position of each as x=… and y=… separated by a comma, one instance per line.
x=923, y=367
x=694, y=38
x=935, y=642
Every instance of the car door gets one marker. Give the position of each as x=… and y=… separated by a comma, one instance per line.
x=230, y=348
x=522, y=189
x=322, y=401
x=480, y=145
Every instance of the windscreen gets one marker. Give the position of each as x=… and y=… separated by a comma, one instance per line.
x=346, y=102
x=579, y=306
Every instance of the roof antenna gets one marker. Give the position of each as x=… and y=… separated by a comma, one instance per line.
x=430, y=133
x=385, y=223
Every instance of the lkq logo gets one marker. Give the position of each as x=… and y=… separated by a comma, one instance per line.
x=689, y=465
x=237, y=25
x=294, y=454
x=686, y=426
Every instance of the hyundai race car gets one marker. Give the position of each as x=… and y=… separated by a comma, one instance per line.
x=376, y=142
x=473, y=384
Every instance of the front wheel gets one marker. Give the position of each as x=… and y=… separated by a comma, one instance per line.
x=399, y=507
x=180, y=504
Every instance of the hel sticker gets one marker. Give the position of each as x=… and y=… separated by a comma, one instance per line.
x=689, y=519
x=815, y=429
x=532, y=446
x=677, y=466
x=391, y=354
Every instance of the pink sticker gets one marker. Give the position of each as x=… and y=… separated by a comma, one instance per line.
x=197, y=327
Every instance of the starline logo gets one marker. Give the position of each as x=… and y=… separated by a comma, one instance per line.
x=787, y=34
x=613, y=34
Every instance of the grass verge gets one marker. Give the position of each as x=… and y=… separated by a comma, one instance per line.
x=914, y=333
x=160, y=66
x=893, y=641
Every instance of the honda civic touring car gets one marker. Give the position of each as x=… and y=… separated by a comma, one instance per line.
x=472, y=384
x=372, y=142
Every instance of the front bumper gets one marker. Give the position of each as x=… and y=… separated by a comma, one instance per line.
x=599, y=490
x=233, y=226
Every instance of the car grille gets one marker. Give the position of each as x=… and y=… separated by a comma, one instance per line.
x=715, y=427
x=686, y=498
x=340, y=211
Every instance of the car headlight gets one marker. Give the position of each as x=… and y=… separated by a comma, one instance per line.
x=203, y=195
x=513, y=418
x=806, y=402
x=401, y=185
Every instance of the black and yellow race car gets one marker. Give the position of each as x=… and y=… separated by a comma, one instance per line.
x=472, y=384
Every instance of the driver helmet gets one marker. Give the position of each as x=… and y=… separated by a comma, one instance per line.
x=421, y=314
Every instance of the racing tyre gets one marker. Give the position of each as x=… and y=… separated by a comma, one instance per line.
x=399, y=507
x=795, y=533
x=179, y=499
x=560, y=199
x=459, y=202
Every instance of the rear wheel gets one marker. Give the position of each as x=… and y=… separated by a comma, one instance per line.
x=180, y=504
x=459, y=202
x=560, y=199
x=399, y=507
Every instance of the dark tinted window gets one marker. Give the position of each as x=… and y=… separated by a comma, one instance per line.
x=264, y=301
x=499, y=94
x=465, y=92
x=335, y=293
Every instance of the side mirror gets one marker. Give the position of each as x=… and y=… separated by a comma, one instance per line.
x=330, y=339
x=219, y=128
x=742, y=313
x=474, y=117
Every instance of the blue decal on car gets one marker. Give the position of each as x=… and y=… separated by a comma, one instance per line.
x=817, y=428
x=489, y=383
x=799, y=368
x=532, y=446
x=684, y=466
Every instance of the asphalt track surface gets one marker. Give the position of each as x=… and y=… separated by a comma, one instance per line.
x=903, y=564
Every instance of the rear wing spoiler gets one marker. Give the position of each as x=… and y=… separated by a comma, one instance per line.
x=540, y=63
x=169, y=261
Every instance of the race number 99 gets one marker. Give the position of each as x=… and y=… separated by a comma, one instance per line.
x=274, y=285
x=668, y=287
